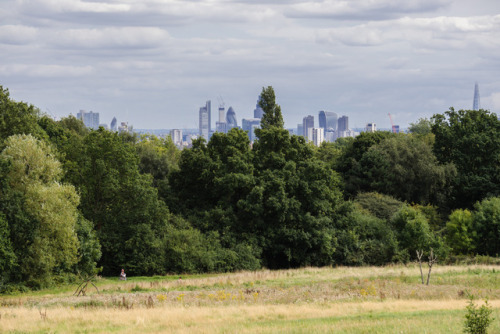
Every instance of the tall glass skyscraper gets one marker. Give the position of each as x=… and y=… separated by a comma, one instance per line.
x=231, y=119
x=205, y=120
x=476, y=103
x=258, y=112
x=328, y=120
x=308, y=124
x=90, y=119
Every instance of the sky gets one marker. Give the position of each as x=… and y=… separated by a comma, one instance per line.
x=154, y=63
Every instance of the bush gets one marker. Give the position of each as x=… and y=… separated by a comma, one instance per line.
x=477, y=319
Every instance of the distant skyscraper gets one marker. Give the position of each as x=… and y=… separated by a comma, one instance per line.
x=90, y=119
x=221, y=127
x=371, y=127
x=222, y=114
x=231, y=119
x=317, y=136
x=176, y=135
x=250, y=125
x=343, y=124
x=205, y=120
x=114, y=124
x=307, y=123
x=328, y=120
x=258, y=112
x=124, y=127
x=477, y=103
x=300, y=130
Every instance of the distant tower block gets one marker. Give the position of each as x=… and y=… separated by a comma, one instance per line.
x=476, y=104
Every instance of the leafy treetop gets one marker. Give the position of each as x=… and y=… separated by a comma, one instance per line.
x=272, y=112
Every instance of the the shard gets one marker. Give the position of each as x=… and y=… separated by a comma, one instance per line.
x=476, y=103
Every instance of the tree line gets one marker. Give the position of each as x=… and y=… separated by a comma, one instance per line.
x=75, y=201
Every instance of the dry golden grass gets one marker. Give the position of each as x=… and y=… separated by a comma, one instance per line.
x=175, y=319
x=351, y=300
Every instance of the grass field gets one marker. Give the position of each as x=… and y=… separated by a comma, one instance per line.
x=309, y=300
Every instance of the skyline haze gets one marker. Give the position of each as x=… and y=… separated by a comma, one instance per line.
x=153, y=63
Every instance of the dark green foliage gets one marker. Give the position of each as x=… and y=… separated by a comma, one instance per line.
x=379, y=205
x=413, y=233
x=348, y=163
x=158, y=157
x=477, y=319
x=121, y=202
x=89, y=250
x=470, y=139
x=403, y=167
x=189, y=251
x=486, y=226
x=364, y=240
x=7, y=255
x=17, y=118
x=421, y=128
x=460, y=234
x=272, y=112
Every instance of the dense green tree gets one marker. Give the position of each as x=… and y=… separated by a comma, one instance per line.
x=158, y=157
x=363, y=239
x=89, y=248
x=379, y=205
x=17, y=118
x=272, y=112
x=50, y=242
x=7, y=255
x=406, y=168
x=486, y=226
x=121, y=202
x=413, y=233
x=460, y=235
x=348, y=163
x=470, y=139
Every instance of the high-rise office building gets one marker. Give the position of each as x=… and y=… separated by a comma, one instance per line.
x=307, y=123
x=221, y=127
x=317, y=136
x=250, y=125
x=222, y=114
x=205, y=120
x=343, y=124
x=90, y=119
x=114, y=125
x=124, y=127
x=176, y=135
x=371, y=127
x=328, y=120
x=300, y=130
x=476, y=104
x=231, y=119
x=258, y=112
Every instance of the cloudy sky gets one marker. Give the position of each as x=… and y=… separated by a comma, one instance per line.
x=153, y=63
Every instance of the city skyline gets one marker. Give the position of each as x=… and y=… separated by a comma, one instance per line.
x=153, y=63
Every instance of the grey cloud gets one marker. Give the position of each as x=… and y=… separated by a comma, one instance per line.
x=362, y=10
x=17, y=34
x=109, y=38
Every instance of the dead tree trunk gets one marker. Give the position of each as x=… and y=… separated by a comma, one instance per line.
x=432, y=260
x=419, y=257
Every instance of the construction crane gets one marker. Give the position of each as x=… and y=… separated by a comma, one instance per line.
x=222, y=104
x=392, y=123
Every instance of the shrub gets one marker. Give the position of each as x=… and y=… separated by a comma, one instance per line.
x=477, y=319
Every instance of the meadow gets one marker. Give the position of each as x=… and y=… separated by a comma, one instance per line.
x=387, y=299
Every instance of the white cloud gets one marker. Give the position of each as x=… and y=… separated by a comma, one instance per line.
x=45, y=70
x=359, y=9
x=109, y=38
x=17, y=34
